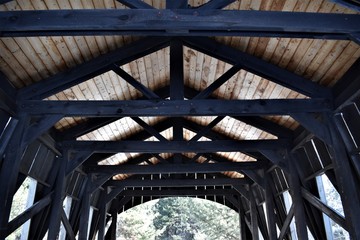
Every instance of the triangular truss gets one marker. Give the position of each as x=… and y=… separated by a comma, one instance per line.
x=111, y=137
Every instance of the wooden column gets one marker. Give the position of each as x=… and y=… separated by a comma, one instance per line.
x=84, y=212
x=254, y=218
x=9, y=173
x=57, y=203
x=111, y=234
x=177, y=88
x=242, y=223
x=102, y=216
x=295, y=190
x=270, y=213
x=346, y=180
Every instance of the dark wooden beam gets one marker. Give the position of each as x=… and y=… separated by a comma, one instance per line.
x=257, y=66
x=266, y=125
x=6, y=135
x=295, y=190
x=346, y=180
x=173, y=146
x=57, y=203
x=348, y=87
x=254, y=216
x=314, y=125
x=316, y=202
x=218, y=82
x=5, y=1
x=176, y=4
x=67, y=225
x=176, y=85
x=174, y=108
x=133, y=82
x=173, y=168
x=270, y=207
x=29, y=213
x=352, y=4
x=216, y=4
x=149, y=129
x=40, y=126
x=136, y=4
x=179, y=182
x=85, y=127
x=202, y=132
x=177, y=22
x=90, y=69
x=9, y=170
x=285, y=227
x=178, y=192
x=7, y=95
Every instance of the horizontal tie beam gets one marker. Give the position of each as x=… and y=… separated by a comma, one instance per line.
x=166, y=22
x=174, y=108
x=174, y=168
x=174, y=146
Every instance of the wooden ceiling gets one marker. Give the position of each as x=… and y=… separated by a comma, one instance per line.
x=185, y=88
x=27, y=60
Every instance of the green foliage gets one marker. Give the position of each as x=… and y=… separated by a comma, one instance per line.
x=179, y=218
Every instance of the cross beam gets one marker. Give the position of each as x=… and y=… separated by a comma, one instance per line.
x=173, y=168
x=179, y=182
x=174, y=146
x=174, y=108
x=170, y=22
x=178, y=192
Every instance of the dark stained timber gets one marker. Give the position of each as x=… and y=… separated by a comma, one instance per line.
x=257, y=66
x=173, y=168
x=173, y=146
x=174, y=108
x=178, y=182
x=176, y=22
x=179, y=192
x=92, y=68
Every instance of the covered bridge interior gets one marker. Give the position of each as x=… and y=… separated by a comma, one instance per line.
x=109, y=104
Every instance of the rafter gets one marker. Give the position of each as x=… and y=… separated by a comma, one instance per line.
x=93, y=68
x=257, y=66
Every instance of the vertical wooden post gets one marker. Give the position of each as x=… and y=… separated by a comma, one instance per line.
x=57, y=203
x=177, y=88
x=270, y=213
x=111, y=234
x=346, y=180
x=253, y=215
x=242, y=224
x=102, y=216
x=85, y=211
x=295, y=189
x=9, y=172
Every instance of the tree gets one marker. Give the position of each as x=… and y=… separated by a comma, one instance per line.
x=190, y=218
x=179, y=218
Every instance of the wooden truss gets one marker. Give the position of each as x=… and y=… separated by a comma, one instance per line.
x=71, y=166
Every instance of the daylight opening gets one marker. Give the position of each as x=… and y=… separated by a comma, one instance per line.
x=179, y=218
